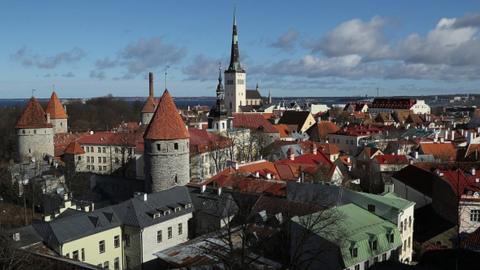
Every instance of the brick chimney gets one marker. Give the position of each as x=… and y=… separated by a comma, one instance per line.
x=314, y=148
x=150, y=84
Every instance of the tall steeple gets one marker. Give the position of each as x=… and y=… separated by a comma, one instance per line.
x=219, y=109
x=235, y=53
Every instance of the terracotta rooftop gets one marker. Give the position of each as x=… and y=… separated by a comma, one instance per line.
x=33, y=116
x=202, y=141
x=325, y=127
x=166, y=123
x=74, y=148
x=150, y=105
x=358, y=130
x=253, y=121
x=393, y=103
x=111, y=138
x=55, y=108
x=391, y=159
x=444, y=151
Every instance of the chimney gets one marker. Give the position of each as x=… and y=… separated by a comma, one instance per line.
x=348, y=159
x=150, y=84
x=219, y=191
x=314, y=150
x=291, y=154
x=204, y=187
x=416, y=154
x=470, y=137
x=453, y=135
x=442, y=140
x=257, y=174
x=48, y=118
x=269, y=176
x=145, y=197
x=473, y=171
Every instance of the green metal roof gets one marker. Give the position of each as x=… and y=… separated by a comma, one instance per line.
x=358, y=227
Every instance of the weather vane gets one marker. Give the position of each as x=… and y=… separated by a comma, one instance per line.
x=166, y=69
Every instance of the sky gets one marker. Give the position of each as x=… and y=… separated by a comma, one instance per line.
x=289, y=48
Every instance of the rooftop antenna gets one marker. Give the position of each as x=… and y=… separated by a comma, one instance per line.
x=166, y=69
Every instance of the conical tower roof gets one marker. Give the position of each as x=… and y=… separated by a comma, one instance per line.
x=166, y=123
x=55, y=108
x=33, y=116
x=150, y=105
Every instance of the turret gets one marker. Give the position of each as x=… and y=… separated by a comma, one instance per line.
x=34, y=133
x=167, y=154
x=150, y=104
x=57, y=114
x=217, y=117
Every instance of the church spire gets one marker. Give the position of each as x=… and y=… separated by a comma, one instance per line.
x=235, y=53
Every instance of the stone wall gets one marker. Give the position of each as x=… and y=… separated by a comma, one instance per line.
x=34, y=142
x=167, y=164
x=59, y=125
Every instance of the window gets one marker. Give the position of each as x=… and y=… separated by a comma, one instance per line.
x=116, y=241
x=229, y=81
x=99, y=160
x=159, y=236
x=169, y=232
x=126, y=237
x=79, y=158
x=401, y=226
x=75, y=255
x=104, y=149
x=116, y=264
x=180, y=229
x=373, y=244
x=101, y=246
x=88, y=167
x=390, y=237
x=88, y=159
x=116, y=150
x=104, y=168
x=67, y=255
x=175, y=146
x=117, y=160
x=240, y=81
x=366, y=264
x=384, y=256
x=104, y=160
x=105, y=265
x=475, y=215
x=99, y=149
x=357, y=267
x=158, y=147
x=404, y=245
x=83, y=254
x=408, y=242
x=410, y=221
x=354, y=252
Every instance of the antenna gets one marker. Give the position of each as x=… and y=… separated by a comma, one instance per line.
x=166, y=69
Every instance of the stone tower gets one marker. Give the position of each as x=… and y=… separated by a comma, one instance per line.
x=58, y=116
x=217, y=117
x=74, y=158
x=235, y=77
x=150, y=104
x=167, y=153
x=34, y=132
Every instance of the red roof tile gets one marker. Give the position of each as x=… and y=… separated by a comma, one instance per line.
x=55, y=108
x=33, y=116
x=111, y=138
x=150, y=105
x=253, y=121
x=391, y=159
x=74, y=148
x=202, y=141
x=444, y=151
x=166, y=123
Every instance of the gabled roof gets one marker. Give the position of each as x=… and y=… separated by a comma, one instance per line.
x=391, y=159
x=359, y=227
x=444, y=151
x=74, y=148
x=166, y=123
x=150, y=105
x=417, y=178
x=324, y=128
x=33, y=116
x=253, y=94
x=253, y=121
x=139, y=213
x=294, y=118
x=55, y=108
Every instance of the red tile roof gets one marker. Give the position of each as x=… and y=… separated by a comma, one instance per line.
x=393, y=103
x=166, y=123
x=325, y=127
x=253, y=121
x=33, y=116
x=358, y=130
x=150, y=105
x=444, y=151
x=460, y=181
x=55, y=108
x=283, y=130
x=62, y=140
x=391, y=159
x=202, y=141
x=74, y=148
x=111, y=138
x=328, y=148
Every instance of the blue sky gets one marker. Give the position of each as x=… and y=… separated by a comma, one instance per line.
x=301, y=48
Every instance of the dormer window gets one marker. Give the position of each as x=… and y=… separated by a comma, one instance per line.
x=157, y=215
x=390, y=237
x=354, y=252
x=373, y=244
x=178, y=209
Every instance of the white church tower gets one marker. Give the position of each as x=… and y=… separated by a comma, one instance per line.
x=235, y=77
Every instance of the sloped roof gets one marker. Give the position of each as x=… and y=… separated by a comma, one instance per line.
x=253, y=121
x=150, y=105
x=294, y=118
x=55, y=108
x=444, y=150
x=252, y=94
x=111, y=138
x=391, y=159
x=74, y=148
x=139, y=213
x=33, y=116
x=359, y=226
x=202, y=141
x=325, y=127
x=166, y=123
x=417, y=178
